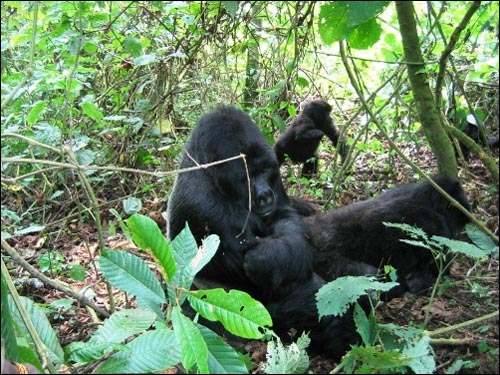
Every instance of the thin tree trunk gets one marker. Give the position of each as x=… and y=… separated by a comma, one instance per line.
x=427, y=111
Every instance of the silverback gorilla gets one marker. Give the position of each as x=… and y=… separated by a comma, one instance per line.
x=301, y=140
x=266, y=252
x=353, y=241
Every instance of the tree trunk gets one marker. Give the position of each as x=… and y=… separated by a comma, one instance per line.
x=427, y=111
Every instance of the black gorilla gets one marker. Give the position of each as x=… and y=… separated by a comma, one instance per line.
x=353, y=241
x=266, y=252
x=472, y=130
x=301, y=140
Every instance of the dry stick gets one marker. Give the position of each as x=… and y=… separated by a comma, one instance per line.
x=414, y=166
x=454, y=327
x=53, y=284
x=62, y=165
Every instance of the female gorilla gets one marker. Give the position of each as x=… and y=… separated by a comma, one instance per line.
x=266, y=249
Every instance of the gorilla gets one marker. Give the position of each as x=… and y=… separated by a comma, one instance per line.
x=301, y=140
x=353, y=240
x=472, y=130
x=266, y=248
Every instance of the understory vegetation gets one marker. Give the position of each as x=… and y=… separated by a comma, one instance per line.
x=98, y=99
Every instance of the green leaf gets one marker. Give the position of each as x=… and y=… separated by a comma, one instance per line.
x=184, y=249
x=332, y=22
x=194, y=350
x=8, y=333
x=421, y=356
x=290, y=359
x=132, y=205
x=129, y=273
x=206, y=252
x=456, y=246
x=42, y=325
x=222, y=358
x=150, y=353
x=92, y=111
x=359, y=12
x=236, y=310
x=365, y=35
x=479, y=238
x=231, y=7
x=147, y=236
x=335, y=297
x=35, y=112
x=85, y=157
x=118, y=327
x=76, y=271
x=366, y=326
x=133, y=46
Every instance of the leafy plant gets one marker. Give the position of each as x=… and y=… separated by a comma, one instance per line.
x=152, y=338
x=388, y=348
x=290, y=359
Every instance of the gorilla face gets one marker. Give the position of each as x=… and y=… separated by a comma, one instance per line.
x=258, y=172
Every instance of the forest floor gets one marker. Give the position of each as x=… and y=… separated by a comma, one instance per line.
x=470, y=291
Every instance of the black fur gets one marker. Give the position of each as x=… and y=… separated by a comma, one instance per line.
x=272, y=257
x=301, y=140
x=353, y=241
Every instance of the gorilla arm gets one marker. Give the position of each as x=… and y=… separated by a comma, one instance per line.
x=281, y=259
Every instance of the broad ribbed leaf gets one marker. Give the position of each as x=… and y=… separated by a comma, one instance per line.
x=236, y=310
x=206, y=252
x=193, y=347
x=8, y=334
x=129, y=273
x=147, y=236
x=123, y=324
x=335, y=297
x=479, y=238
x=152, y=352
x=184, y=249
x=456, y=246
x=118, y=327
x=222, y=358
x=42, y=326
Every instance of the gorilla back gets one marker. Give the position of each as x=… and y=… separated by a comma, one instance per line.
x=265, y=247
x=353, y=239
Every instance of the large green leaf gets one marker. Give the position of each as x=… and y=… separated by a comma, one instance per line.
x=42, y=326
x=152, y=352
x=481, y=239
x=129, y=273
x=365, y=35
x=146, y=235
x=236, y=310
x=118, y=327
x=332, y=22
x=8, y=333
x=189, y=258
x=194, y=350
x=335, y=297
x=456, y=246
x=354, y=20
x=222, y=358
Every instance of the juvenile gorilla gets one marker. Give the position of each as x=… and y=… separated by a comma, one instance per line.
x=353, y=241
x=266, y=251
x=301, y=140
